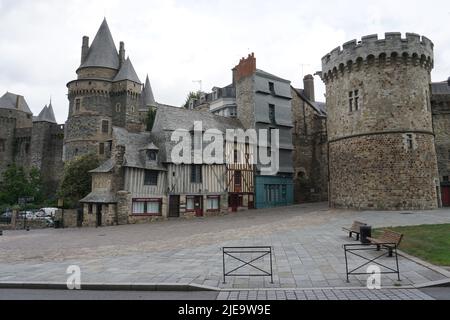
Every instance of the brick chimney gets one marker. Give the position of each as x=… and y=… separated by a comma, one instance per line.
x=308, y=85
x=245, y=68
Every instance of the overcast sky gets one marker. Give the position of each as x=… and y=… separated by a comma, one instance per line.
x=177, y=42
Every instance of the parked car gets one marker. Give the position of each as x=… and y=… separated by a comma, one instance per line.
x=49, y=212
x=6, y=217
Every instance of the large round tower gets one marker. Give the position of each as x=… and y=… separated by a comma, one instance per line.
x=106, y=93
x=381, y=143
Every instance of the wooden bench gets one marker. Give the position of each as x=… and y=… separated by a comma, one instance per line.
x=388, y=239
x=355, y=229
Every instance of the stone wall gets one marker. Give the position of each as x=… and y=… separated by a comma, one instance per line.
x=380, y=172
x=441, y=122
x=310, y=153
x=373, y=163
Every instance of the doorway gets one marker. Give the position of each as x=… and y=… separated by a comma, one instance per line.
x=174, y=207
x=445, y=196
x=99, y=215
x=198, y=206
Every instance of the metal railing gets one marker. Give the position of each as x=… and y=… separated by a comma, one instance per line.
x=355, y=249
x=233, y=252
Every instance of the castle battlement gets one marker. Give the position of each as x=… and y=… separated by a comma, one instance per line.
x=415, y=48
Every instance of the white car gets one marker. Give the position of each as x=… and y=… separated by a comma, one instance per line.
x=49, y=212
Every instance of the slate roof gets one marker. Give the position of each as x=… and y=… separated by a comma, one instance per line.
x=148, y=99
x=103, y=51
x=169, y=119
x=127, y=72
x=46, y=115
x=271, y=76
x=100, y=197
x=440, y=88
x=106, y=167
x=319, y=107
x=9, y=100
x=135, y=146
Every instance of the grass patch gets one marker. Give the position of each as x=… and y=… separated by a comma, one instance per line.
x=428, y=242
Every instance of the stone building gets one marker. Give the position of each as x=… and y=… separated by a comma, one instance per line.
x=106, y=93
x=31, y=142
x=382, y=151
x=310, y=144
x=440, y=105
x=141, y=182
x=261, y=101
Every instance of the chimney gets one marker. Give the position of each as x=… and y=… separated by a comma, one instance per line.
x=122, y=53
x=119, y=155
x=84, y=48
x=308, y=85
x=245, y=68
x=18, y=101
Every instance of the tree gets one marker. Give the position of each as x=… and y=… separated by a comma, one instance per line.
x=18, y=183
x=151, y=116
x=77, y=181
x=191, y=95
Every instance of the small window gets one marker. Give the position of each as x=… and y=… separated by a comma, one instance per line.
x=238, y=178
x=132, y=108
x=272, y=113
x=190, y=204
x=213, y=203
x=271, y=87
x=356, y=100
x=448, y=153
x=90, y=209
x=105, y=126
x=196, y=174
x=151, y=155
x=2, y=145
x=151, y=178
x=101, y=150
x=77, y=104
x=118, y=107
x=410, y=141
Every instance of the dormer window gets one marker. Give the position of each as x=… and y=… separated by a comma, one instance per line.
x=151, y=155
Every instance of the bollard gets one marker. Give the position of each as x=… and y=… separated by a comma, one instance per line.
x=1, y=233
x=28, y=228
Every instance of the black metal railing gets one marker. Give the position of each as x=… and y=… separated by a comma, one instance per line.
x=235, y=253
x=355, y=249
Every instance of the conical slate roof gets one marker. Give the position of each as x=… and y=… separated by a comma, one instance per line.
x=127, y=72
x=148, y=98
x=9, y=101
x=46, y=115
x=103, y=51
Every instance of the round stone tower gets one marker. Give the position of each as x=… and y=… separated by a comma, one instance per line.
x=381, y=143
x=106, y=93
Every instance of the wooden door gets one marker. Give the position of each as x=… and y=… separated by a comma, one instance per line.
x=234, y=202
x=174, y=207
x=198, y=206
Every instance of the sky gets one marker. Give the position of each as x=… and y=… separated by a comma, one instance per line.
x=179, y=42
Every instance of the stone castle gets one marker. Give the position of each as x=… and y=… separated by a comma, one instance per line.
x=106, y=93
x=30, y=141
x=381, y=140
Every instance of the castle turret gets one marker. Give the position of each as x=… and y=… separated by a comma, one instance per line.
x=106, y=93
x=381, y=141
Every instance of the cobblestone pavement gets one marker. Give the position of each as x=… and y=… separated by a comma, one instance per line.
x=326, y=294
x=307, y=242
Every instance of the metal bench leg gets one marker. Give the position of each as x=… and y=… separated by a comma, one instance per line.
x=378, y=248
x=357, y=237
x=390, y=253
